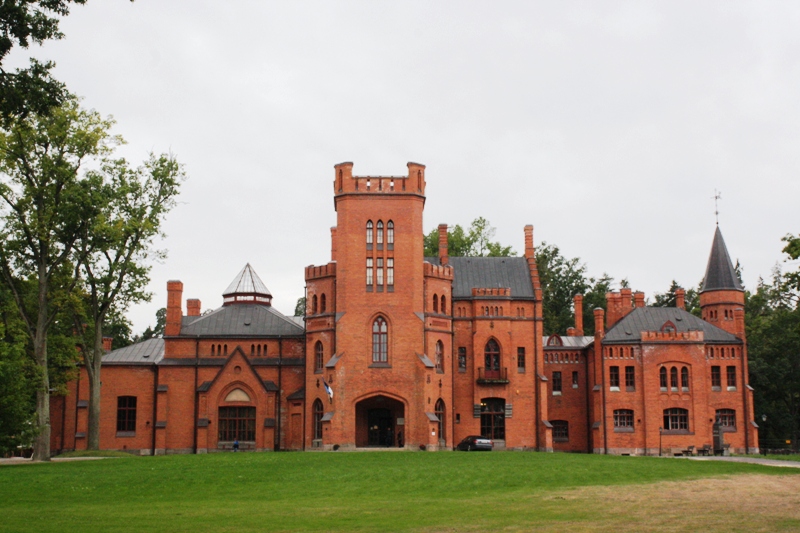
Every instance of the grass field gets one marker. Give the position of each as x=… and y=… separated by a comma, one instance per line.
x=391, y=491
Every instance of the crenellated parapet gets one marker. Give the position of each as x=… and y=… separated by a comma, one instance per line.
x=437, y=271
x=672, y=336
x=346, y=183
x=491, y=292
x=317, y=272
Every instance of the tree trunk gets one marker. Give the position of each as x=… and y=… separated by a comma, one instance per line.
x=93, y=363
x=41, y=446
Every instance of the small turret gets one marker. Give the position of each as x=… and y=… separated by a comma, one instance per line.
x=722, y=294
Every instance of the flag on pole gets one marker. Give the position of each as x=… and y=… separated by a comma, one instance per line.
x=328, y=389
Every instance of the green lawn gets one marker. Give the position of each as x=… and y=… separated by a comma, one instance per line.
x=379, y=491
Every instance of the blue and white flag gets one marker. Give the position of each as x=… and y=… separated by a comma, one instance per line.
x=328, y=389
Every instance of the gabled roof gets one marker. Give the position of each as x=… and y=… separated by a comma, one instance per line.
x=247, y=282
x=720, y=274
x=489, y=272
x=242, y=320
x=146, y=352
x=653, y=318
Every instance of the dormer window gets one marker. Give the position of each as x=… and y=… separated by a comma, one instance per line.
x=555, y=340
x=668, y=327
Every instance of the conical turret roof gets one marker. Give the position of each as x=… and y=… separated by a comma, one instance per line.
x=247, y=287
x=720, y=274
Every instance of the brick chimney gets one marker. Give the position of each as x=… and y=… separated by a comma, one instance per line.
x=107, y=343
x=578, y=304
x=174, y=311
x=529, y=250
x=443, y=257
x=193, y=307
x=626, y=303
x=599, y=329
x=680, y=299
x=333, y=243
x=638, y=299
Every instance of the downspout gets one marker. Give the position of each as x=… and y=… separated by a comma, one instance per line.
x=63, y=423
x=746, y=409
x=277, y=440
x=603, y=390
x=589, y=434
x=77, y=401
x=537, y=380
x=155, y=405
x=305, y=366
x=196, y=394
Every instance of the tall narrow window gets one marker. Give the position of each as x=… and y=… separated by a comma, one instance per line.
x=126, y=413
x=323, y=303
x=380, y=341
x=462, y=359
x=493, y=419
x=613, y=375
x=556, y=382
x=673, y=378
x=685, y=379
x=521, y=359
x=369, y=273
x=731, y=378
x=435, y=303
x=574, y=379
x=379, y=273
x=390, y=273
x=379, y=234
x=314, y=305
x=630, y=378
x=369, y=235
x=390, y=234
x=443, y=304
x=439, y=356
x=440, y=413
x=318, y=413
x=491, y=356
x=716, y=378
x=663, y=377
x=318, y=356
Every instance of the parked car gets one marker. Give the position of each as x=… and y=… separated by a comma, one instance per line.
x=475, y=443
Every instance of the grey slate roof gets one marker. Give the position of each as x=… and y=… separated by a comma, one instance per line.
x=146, y=352
x=247, y=282
x=652, y=318
x=241, y=320
x=489, y=272
x=720, y=274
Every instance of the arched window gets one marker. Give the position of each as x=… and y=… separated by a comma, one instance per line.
x=318, y=355
x=379, y=231
x=491, y=357
x=668, y=327
x=314, y=305
x=323, y=303
x=318, y=413
x=444, y=305
x=673, y=378
x=369, y=232
x=226, y=349
x=439, y=356
x=213, y=350
x=259, y=350
x=390, y=230
x=685, y=379
x=380, y=341
x=435, y=304
x=663, y=375
x=265, y=350
x=253, y=349
x=439, y=411
x=676, y=419
x=555, y=340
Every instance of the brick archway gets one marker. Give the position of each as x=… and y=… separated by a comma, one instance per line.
x=379, y=421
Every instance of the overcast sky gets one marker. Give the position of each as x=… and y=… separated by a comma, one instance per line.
x=606, y=125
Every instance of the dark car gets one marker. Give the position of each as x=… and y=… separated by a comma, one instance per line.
x=475, y=443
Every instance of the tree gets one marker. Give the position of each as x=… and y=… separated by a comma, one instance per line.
x=114, y=252
x=32, y=90
x=158, y=330
x=300, y=308
x=669, y=299
x=561, y=280
x=46, y=207
x=476, y=242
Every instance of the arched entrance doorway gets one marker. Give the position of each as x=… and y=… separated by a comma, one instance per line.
x=380, y=422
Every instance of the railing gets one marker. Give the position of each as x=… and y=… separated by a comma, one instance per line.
x=492, y=377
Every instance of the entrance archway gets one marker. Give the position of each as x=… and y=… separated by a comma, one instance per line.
x=379, y=422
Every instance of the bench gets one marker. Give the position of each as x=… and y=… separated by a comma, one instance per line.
x=688, y=451
x=705, y=450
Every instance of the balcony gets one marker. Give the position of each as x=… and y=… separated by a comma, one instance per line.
x=492, y=377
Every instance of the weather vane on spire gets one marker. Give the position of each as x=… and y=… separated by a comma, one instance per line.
x=717, y=198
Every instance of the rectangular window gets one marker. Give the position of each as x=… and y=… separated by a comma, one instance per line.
x=575, y=379
x=126, y=413
x=560, y=430
x=613, y=377
x=726, y=418
x=521, y=359
x=623, y=418
x=630, y=378
x=369, y=273
x=462, y=359
x=556, y=382
x=716, y=378
x=390, y=271
x=237, y=423
x=731, y=378
x=379, y=274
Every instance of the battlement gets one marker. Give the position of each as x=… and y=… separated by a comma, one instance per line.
x=672, y=336
x=324, y=271
x=480, y=292
x=437, y=271
x=346, y=183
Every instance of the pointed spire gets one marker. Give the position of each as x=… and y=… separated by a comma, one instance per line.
x=720, y=274
x=247, y=287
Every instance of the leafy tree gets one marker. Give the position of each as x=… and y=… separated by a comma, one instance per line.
x=45, y=207
x=300, y=308
x=158, y=330
x=32, y=90
x=114, y=252
x=668, y=299
x=561, y=280
x=475, y=242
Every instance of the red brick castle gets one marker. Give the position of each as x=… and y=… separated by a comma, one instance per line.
x=404, y=351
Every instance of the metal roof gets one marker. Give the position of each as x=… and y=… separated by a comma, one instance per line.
x=146, y=352
x=568, y=342
x=653, y=318
x=247, y=282
x=489, y=272
x=243, y=320
x=720, y=274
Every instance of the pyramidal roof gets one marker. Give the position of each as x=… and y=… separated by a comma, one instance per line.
x=720, y=274
x=247, y=282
